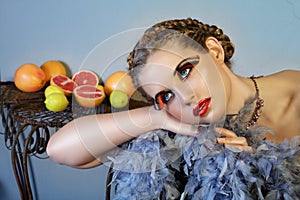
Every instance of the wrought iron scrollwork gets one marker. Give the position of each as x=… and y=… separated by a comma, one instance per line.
x=28, y=126
x=27, y=129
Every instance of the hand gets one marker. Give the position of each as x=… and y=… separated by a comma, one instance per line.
x=231, y=140
x=164, y=120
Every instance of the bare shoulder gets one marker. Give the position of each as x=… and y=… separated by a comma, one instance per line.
x=292, y=79
x=289, y=77
x=291, y=74
x=287, y=83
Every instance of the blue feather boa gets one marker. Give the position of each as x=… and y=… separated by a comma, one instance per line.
x=163, y=165
x=150, y=169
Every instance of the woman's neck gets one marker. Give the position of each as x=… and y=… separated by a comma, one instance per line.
x=241, y=90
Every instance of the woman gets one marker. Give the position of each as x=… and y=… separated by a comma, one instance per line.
x=183, y=66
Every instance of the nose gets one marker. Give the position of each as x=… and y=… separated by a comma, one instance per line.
x=186, y=94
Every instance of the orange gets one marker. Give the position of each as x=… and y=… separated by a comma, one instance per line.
x=88, y=95
x=29, y=78
x=53, y=67
x=119, y=80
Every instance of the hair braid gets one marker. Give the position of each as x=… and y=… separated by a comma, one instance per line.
x=192, y=28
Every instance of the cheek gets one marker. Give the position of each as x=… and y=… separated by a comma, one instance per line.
x=175, y=109
x=199, y=86
x=181, y=111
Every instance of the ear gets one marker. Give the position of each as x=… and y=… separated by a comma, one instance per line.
x=215, y=49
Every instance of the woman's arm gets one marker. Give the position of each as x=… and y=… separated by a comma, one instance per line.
x=81, y=142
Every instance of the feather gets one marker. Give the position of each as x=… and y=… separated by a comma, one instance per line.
x=164, y=165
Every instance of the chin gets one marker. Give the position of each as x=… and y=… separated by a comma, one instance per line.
x=210, y=118
x=215, y=117
x=196, y=120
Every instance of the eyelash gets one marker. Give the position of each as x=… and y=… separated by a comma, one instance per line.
x=163, y=98
x=187, y=66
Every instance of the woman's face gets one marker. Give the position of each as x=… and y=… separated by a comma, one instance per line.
x=186, y=83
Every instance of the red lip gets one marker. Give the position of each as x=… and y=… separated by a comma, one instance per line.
x=202, y=107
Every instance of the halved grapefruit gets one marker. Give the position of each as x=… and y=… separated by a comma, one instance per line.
x=64, y=82
x=85, y=77
x=89, y=96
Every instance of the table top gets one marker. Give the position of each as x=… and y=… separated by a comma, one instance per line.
x=29, y=108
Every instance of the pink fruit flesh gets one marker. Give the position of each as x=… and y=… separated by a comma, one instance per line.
x=64, y=82
x=89, y=92
x=85, y=78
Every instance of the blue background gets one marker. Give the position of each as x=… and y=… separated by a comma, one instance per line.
x=266, y=35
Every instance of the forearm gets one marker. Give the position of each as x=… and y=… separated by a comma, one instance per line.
x=86, y=139
x=89, y=165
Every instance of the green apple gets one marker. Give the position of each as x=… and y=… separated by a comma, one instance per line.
x=118, y=99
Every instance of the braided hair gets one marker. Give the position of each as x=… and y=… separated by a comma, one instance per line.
x=161, y=33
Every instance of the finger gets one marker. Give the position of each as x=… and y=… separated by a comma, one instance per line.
x=233, y=141
x=239, y=147
x=225, y=132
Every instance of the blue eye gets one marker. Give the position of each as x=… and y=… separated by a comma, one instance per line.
x=185, y=72
x=167, y=97
x=162, y=98
x=185, y=67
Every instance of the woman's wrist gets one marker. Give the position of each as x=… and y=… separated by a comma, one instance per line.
x=155, y=117
x=158, y=118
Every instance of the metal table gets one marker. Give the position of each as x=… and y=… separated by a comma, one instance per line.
x=28, y=126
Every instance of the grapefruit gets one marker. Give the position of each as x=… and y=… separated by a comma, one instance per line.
x=53, y=67
x=89, y=96
x=64, y=82
x=119, y=80
x=85, y=77
x=29, y=78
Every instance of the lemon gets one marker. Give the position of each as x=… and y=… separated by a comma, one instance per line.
x=118, y=99
x=56, y=102
x=101, y=87
x=53, y=89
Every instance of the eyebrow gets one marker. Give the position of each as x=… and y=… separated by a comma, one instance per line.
x=183, y=61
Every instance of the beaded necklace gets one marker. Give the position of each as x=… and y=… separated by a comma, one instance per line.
x=259, y=104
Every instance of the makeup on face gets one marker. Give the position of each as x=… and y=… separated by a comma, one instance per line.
x=185, y=67
x=162, y=98
x=183, y=71
x=201, y=108
x=187, y=84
